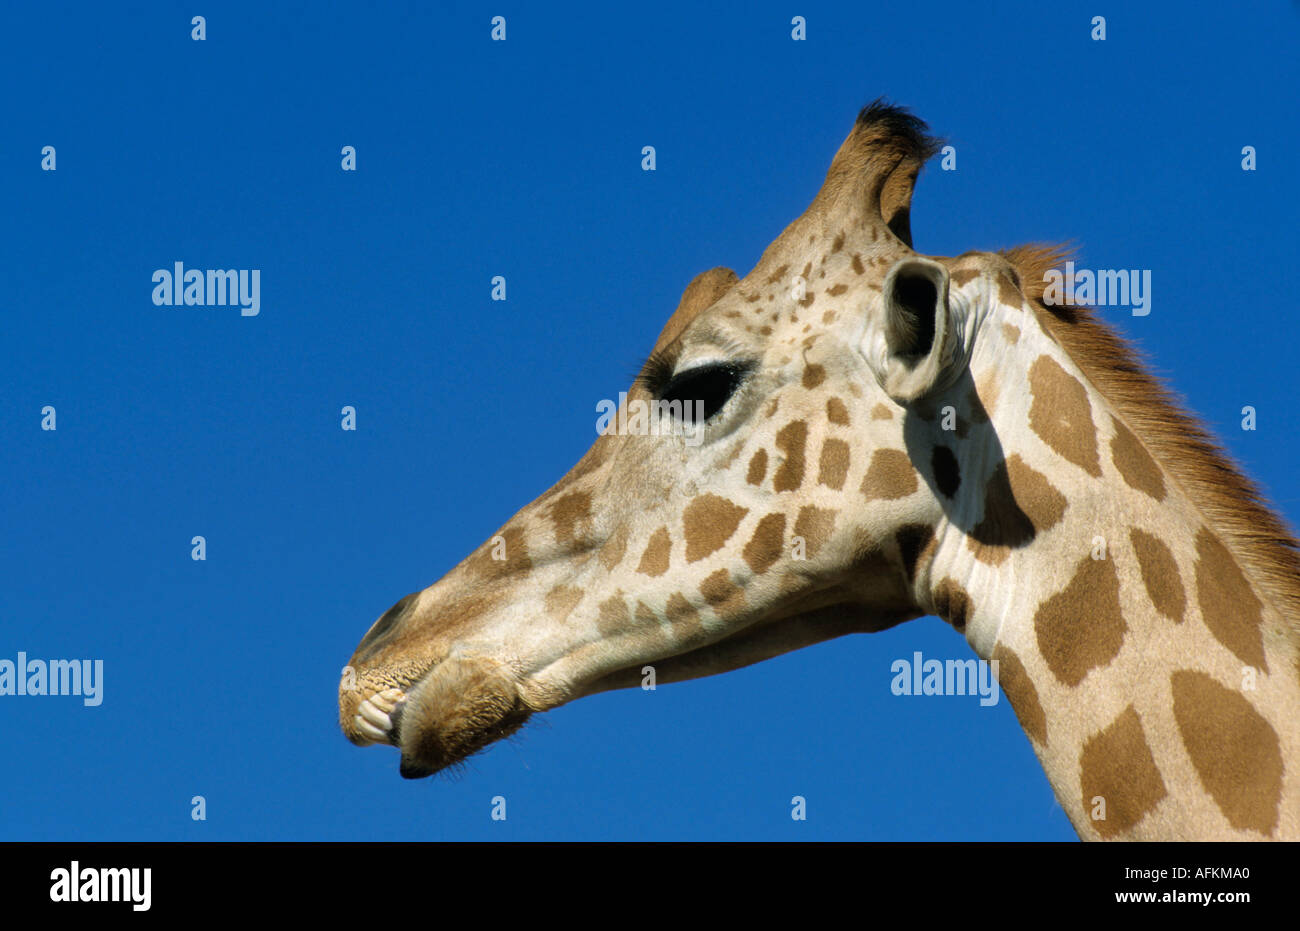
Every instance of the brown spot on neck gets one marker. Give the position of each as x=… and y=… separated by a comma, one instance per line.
x=757, y=468
x=1021, y=693
x=1061, y=414
x=1135, y=463
x=1019, y=503
x=1082, y=627
x=889, y=476
x=1229, y=606
x=836, y=412
x=1116, y=765
x=1234, y=749
x=1159, y=574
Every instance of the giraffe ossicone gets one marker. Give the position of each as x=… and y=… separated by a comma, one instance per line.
x=889, y=435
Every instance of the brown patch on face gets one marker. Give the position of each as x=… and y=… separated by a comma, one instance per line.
x=778, y=274
x=611, y=554
x=1082, y=627
x=1159, y=574
x=612, y=616
x=561, y=600
x=683, y=617
x=1008, y=293
x=723, y=595
x=708, y=523
x=806, y=302
x=655, y=559
x=952, y=603
x=1117, y=765
x=858, y=267
x=1135, y=463
x=754, y=297
x=836, y=412
x=1228, y=604
x=765, y=546
x=807, y=270
x=1021, y=693
x=771, y=407
x=838, y=244
x=880, y=412
x=889, y=476
x=815, y=526
x=1234, y=749
x=483, y=566
x=1011, y=332
x=757, y=468
x=834, y=465
x=567, y=512
x=1061, y=414
x=915, y=541
x=1019, y=503
x=813, y=376
x=836, y=290
x=962, y=276
x=790, y=440
x=947, y=473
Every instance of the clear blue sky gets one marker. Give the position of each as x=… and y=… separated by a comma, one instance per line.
x=523, y=159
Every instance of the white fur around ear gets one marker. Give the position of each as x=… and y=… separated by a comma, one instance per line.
x=910, y=349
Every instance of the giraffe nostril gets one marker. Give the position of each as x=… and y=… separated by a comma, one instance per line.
x=384, y=625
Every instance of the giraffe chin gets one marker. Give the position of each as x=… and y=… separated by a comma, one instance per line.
x=460, y=706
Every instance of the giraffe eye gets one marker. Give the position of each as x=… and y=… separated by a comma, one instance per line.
x=704, y=390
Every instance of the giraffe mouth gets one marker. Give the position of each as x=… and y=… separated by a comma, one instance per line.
x=450, y=712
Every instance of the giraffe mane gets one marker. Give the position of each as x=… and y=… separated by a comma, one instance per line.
x=1193, y=458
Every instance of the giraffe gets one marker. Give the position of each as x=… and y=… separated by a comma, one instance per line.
x=888, y=435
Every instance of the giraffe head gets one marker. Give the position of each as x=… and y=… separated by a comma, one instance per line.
x=792, y=510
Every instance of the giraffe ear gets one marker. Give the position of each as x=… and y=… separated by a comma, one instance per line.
x=911, y=350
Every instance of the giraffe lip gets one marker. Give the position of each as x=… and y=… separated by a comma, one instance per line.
x=455, y=709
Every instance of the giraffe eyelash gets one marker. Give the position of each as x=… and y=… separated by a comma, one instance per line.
x=656, y=372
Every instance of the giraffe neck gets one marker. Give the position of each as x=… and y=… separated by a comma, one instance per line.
x=1155, y=679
